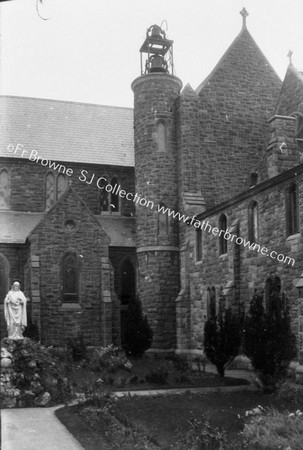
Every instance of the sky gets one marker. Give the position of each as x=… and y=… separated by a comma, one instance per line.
x=88, y=50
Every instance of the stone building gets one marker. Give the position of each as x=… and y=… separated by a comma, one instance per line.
x=99, y=203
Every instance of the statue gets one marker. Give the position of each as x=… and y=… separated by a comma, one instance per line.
x=15, y=312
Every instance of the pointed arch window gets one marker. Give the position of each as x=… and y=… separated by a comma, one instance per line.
x=161, y=136
x=198, y=245
x=50, y=190
x=104, y=195
x=114, y=197
x=4, y=189
x=211, y=303
x=70, y=278
x=61, y=185
x=222, y=241
x=253, y=222
x=109, y=199
x=272, y=295
x=162, y=221
x=292, y=210
x=54, y=188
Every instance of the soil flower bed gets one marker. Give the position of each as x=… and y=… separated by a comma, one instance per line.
x=181, y=422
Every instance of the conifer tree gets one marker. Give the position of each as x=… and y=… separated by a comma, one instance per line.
x=222, y=338
x=268, y=339
x=138, y=334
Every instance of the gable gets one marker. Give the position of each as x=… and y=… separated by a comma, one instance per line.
x=68, y=220
x=291, y=95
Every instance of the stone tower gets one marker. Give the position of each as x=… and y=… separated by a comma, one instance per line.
x=155, y=92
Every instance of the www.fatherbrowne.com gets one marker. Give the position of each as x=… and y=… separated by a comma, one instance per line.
x=135, y=198
x=205, y=226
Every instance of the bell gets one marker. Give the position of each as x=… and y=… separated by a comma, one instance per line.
x=157, y=64
x=156, y=32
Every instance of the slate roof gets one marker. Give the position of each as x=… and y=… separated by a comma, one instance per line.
x=242, y=53
x=68, y=131
x=121, y=230
x=16, y=226
x=291, y=95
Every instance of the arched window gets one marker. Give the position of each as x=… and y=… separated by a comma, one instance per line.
x=61, y=185
x=4, y=277
x=161, y=137
x=70, y=278
x=198, y=245
x=104, y=195
x=50, y=190
x=253, y=222
x=4, y=189
x=114, y=198
x=162, y=221
x=292, y=210
x=222, y=241
x=272, y=294
x=211, y=303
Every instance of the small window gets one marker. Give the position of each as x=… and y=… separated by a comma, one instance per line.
x=253, y=222
x=292, y=210
x=211, y=303
x=114, y=198
x=222, y=241
x=4, y=189
x=70, y=278
x=272, y=295
x=104, y=195
x=50, y=196
x=61, y=185
x=161, y=137
x=198, y=245
x=162, y=221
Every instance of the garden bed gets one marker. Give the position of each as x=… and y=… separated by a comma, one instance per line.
x=146, y=373
x=171, y=422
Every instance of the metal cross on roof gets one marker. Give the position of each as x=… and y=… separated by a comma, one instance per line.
x=289, y=55
x=244, y=14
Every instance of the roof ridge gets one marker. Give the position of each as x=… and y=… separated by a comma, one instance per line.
x=65, y=101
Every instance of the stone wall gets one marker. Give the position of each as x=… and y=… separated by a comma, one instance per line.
x=243, y=269
x=28, y=184
x=91, y=315
x=236, y=101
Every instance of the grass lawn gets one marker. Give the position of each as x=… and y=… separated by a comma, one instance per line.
x=163, y=421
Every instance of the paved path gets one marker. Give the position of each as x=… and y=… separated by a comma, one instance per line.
x=35, y=429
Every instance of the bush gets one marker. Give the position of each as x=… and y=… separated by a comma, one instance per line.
x=34, y=371
x=274, y=430
x=77, y=347
x=138, y=334
x=203, y=436
x=157, y=376
x=268, y=339
x=222, y=338
x=108, y=358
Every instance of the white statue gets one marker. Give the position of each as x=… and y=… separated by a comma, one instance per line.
x=15, y=312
